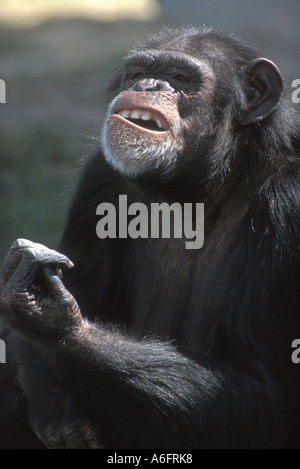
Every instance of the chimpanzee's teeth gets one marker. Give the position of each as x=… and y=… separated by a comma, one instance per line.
x=124, y=114
x=136, y=115
x=146, y=116
x=140, y=114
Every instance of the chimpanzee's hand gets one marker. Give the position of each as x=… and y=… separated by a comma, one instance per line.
x=33, y=298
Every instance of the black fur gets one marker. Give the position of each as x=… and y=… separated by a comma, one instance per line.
x=186, y=349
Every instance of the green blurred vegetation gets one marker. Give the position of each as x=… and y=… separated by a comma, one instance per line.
x=56, y=75
x=35, y=178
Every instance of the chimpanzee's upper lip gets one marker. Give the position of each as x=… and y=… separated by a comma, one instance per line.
x=143, y=110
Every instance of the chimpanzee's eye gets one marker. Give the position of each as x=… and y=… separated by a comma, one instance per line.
x=181, y=78
x=133, y=74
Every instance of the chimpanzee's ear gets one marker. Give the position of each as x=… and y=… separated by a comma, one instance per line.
x=264, y=88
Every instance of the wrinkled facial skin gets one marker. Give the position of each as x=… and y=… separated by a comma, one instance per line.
x=146, y=122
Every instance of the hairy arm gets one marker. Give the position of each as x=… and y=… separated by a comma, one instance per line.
x=141, y=393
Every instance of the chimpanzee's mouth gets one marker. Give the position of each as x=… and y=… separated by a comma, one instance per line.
x=145, y=119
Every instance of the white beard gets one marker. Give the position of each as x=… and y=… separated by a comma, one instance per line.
x=133, y=152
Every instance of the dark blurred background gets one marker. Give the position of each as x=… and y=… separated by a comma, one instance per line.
x=56, y=57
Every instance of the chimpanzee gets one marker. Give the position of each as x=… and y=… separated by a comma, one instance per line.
x=139, y=342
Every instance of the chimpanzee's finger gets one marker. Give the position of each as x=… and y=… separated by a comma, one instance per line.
x=11, y=261
x=31, y=255
x=55, y=287
x=39, y=253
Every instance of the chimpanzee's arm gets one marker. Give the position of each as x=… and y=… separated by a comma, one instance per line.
x=141, y=393
x=35, y=396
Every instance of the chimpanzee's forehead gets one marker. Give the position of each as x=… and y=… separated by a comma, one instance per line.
x=206, y=49
x=208, y=45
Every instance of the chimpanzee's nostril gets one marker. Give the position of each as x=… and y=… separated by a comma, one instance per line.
x=151, y=84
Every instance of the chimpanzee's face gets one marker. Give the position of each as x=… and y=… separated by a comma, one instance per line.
x=178, y=104
x=156, y=110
